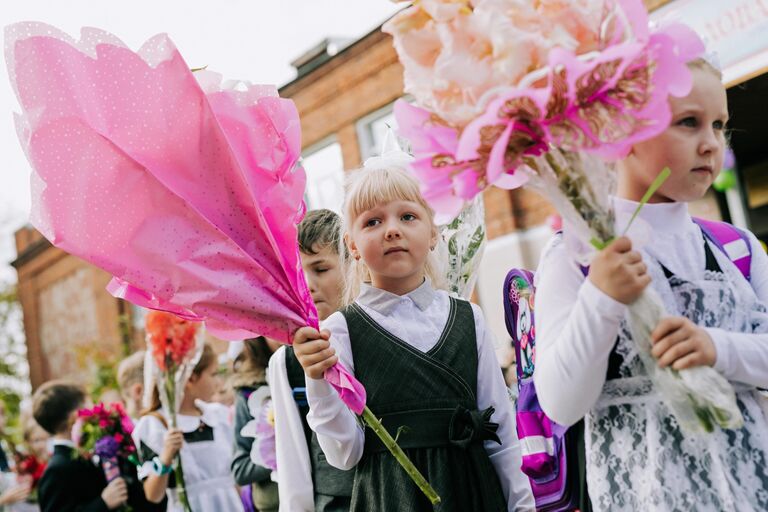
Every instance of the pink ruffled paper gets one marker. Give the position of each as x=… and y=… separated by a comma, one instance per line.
x=187, y=191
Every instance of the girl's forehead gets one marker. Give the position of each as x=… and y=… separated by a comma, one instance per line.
x=393, y=204
x=707, y=95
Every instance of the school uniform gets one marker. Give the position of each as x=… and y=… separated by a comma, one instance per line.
x=309, y=484
x=637, y=458
x=205, y=457
x=428, y=364
x=71, y=483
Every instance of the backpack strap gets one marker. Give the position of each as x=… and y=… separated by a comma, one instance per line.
x=732, y=241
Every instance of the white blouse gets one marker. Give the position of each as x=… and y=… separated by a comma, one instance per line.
x=294, y=468
x=577, y=324
x=418, y=318
x=206, y=464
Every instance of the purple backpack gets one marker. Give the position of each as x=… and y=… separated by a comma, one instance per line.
x=548, y=451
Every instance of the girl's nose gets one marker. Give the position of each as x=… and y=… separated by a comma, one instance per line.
x=711, y=141
x=392, y=233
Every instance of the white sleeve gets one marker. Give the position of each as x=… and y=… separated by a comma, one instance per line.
x=743, y=357
x=151, y=432
x=294, y=469
x=492, y=392
x=340, y=435
x=576, y=329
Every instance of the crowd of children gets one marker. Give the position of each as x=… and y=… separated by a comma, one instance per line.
x=427, y=361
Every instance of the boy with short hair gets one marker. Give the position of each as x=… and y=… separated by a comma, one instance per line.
x=311, y=484
x=72, y=483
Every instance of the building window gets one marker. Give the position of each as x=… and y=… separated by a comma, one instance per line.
x=324, y=166
x=372, y=131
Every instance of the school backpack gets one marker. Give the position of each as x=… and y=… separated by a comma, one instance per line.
x=549, y=450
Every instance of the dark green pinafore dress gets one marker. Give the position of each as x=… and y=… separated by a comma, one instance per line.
x=431, y=399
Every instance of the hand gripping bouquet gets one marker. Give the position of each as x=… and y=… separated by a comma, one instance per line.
x=543, y=94
x=182, y=186
x=103, y=433
x=175, y=346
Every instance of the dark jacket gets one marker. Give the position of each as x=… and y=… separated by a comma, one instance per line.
x=73, y=484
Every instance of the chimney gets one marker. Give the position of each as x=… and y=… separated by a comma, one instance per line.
x=319, y=54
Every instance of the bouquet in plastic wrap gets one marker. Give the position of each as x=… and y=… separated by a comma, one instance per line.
x=186, y=188
x=464, y=240
x=513, y=92
x=175, y=345
x=103, y=433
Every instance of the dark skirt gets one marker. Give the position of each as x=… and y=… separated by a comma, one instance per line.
x=465, y=480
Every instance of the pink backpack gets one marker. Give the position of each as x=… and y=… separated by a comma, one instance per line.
x=549, y=450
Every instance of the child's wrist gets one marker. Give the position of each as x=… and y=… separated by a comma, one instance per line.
x=161, y=465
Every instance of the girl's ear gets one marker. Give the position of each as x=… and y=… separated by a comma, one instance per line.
x=351, y=246
x=435, y=236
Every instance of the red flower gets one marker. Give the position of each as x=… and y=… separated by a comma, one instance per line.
x=170, y=338
x=30, y=465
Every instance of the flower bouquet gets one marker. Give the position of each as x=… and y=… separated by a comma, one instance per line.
x=30, y=469
x=513, y=92
x=262, y=429
x=103, y=434
x=175, y=345
x=464, y=239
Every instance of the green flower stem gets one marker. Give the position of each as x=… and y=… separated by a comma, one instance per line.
x=373, y=422
x=170, y=394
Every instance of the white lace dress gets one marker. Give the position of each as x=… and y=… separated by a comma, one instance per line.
x=637, y=457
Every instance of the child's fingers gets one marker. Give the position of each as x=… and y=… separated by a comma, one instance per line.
x=666, y=326
x=695, y=358
x=325, y=334
x=633, y=257
x=677, y=351
x=311, y=359
x=305, y=334
x=620, y=245
x=639, y=268
x=317, y=370
x=311, y=347
x=667, y=342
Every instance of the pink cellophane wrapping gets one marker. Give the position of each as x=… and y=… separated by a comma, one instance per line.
x=185, y=189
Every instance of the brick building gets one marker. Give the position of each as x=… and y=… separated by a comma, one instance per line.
x=344, y=93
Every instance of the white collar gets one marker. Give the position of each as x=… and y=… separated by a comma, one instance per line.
x=384, y=302
x=62, y=442
x=662, y=217
x=209, y=414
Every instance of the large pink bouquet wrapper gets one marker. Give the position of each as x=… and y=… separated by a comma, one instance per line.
x=186, y=189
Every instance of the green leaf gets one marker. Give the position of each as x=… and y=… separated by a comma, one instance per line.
x=402, y=429
x=474, y=244
x=453, y=248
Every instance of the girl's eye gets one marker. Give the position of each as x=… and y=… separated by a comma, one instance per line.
x=688, y=121
x=408, y=217
x=321, y=270
x=719, y=125
x=372, y=222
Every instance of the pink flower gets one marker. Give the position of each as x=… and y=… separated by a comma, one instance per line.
x=603, y=102
x=127, y=424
